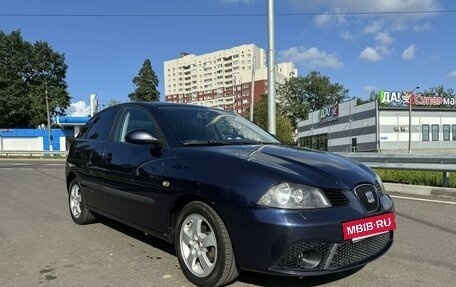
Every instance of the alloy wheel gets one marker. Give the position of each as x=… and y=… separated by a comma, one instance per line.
x=75, y=201
x=198, y=245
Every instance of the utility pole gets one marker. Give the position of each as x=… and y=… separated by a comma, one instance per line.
x=48, y=118
x=271, y=71
x=411, y=98
x=252, y=89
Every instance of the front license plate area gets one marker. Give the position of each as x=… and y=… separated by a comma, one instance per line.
x=356, y=230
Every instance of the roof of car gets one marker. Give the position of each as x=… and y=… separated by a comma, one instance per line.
x=162, y=104
x=157, y=104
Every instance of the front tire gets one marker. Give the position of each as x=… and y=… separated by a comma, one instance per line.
x=79, y=213
x=203, y=246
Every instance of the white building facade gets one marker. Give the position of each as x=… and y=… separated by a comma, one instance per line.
x=378, y=127
x=229, y=79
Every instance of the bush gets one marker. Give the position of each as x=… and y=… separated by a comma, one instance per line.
x=428, y=178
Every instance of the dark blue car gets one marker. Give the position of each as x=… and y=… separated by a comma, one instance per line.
x=227, y=194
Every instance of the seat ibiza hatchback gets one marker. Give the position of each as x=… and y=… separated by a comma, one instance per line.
x=227, y=194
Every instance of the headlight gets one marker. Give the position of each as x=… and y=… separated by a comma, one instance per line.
x=379, y=185
x=294, y=196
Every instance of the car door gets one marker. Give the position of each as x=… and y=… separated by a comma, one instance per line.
x=133, y=180
x=87, y=153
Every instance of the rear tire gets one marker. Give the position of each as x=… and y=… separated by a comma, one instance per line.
x=203, y=246
x=79, y=213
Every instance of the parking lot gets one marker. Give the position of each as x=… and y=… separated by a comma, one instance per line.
x=41, y=246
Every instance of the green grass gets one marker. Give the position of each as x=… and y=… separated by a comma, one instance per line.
x=427, y=178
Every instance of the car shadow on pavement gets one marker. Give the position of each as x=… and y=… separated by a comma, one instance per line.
x=247, y=277
x=266, y=280
x=138, y=235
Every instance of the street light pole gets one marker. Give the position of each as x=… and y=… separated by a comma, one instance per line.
x=271, y=71
x=410, y=118
x=48, y=118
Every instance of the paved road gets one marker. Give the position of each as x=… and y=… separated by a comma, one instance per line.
x=41, y=246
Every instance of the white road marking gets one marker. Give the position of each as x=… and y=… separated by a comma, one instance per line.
x=424, y=199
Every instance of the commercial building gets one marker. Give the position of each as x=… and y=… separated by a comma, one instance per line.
x=42, y=139
x=386, y=125
x=33, y=140
x=222, y=79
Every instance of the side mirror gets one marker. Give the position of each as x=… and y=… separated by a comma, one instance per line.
x=141, y=136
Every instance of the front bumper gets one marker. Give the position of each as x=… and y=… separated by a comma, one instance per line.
x=331, y=257
x=301, y=243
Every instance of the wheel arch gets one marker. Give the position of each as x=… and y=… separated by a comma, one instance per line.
x=225, y=269
x=179, y=204
x=70, y=177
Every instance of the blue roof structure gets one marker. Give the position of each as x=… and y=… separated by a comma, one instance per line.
x=71, y=121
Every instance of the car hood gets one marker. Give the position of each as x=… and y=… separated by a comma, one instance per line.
x=317, y=168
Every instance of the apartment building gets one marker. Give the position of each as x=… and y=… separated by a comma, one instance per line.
x=228, y=79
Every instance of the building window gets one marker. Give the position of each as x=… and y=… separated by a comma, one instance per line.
x=453, y=129
x=435, y=132
x=319, y=142
x=425, y=133
x=446, y=132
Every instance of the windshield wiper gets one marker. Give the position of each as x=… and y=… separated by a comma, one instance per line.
x=210, y=142
x=228, y=142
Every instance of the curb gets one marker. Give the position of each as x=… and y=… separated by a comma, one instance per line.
x=420, y=190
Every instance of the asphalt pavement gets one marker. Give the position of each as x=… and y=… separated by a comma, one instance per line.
x=41, y=246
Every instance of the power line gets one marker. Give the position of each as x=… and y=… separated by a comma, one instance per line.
x=230, y=14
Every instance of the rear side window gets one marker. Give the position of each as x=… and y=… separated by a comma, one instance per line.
x=100, y=127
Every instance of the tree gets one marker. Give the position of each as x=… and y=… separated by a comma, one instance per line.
x=285, y=129
x=48, y=76
x=112, y=102
x=373, y=96
x=146, y=83
x=439, y=91
x=13, y=91
x=26, y=72
x=302, y=95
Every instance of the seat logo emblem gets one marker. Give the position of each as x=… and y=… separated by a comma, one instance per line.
x=370, y=197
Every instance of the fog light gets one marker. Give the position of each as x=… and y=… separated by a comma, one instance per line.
x=309, y=258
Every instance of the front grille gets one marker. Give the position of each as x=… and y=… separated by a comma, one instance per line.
x=368, y=196
x=352, y=253
x=379, y=188
x=336, y=197
x=334, y=255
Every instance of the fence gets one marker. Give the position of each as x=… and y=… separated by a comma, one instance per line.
x=427, y=162
x=33, y=153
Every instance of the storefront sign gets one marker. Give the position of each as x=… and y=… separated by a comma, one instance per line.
x=403, y=99
x=329, y=113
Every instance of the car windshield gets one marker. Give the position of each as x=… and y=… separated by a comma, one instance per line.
x=204, y=126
